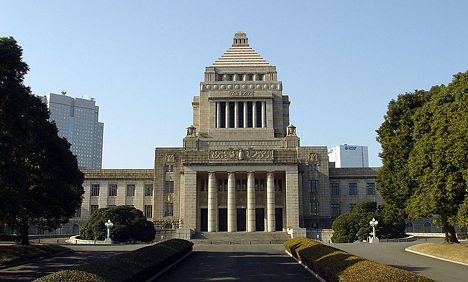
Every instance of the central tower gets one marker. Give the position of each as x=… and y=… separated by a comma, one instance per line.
x=240, y=99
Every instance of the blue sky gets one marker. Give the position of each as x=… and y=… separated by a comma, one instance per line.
x=340, y=62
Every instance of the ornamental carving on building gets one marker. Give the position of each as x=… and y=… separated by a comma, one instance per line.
x=236, y=155
x=241, y=93
x=170, y=158
x=314, y=158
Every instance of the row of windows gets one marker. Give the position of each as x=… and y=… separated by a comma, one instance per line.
x=95, y=189
x=241, y=185
x=240, y=77
x=335, y=188
x=335, y=208
x=148, y=210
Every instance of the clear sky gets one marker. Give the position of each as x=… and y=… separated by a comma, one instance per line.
x=340, y=62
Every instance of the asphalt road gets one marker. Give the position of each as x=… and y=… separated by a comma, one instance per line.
x=238, y=263
x=394, y=254
x=82, y=254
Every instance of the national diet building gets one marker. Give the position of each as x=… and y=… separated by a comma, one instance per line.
x=241, y=167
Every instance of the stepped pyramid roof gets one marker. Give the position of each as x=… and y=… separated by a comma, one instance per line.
x=240, y=54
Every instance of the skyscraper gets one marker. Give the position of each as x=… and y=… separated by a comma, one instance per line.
x=77, y=120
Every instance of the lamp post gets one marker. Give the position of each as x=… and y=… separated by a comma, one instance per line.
x=373, y=223
x=108, y=224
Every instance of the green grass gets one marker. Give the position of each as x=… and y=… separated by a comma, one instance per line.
x=10, y=254
x=455, y=252
x=336, y=265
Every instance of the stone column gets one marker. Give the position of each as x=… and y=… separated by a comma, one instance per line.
x=254, y=114
x=236, y=114
x=218, y=114
x=271, y=225
x=246, y=124
x=251, y=202
x=227, y=115
x=212, y=203
x=263, y=114
x=231, y=202
x=292, y=198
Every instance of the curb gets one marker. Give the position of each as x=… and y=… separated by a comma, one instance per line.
x=167, y=268
x=306, y=267
x=434, y=257
x=34, y=260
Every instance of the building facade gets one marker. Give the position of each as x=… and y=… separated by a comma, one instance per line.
x=347, y=156
x=77, y=120
x=241, y=167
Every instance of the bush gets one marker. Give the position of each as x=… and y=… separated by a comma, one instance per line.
x=462, y=236
x=335, y=265
x=139, y=265
x=129, y=225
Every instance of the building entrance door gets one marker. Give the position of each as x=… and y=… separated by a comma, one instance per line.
x=204, y=220
x=260, y=219
x=241, y=220
x=279, y=219
x=222, y=219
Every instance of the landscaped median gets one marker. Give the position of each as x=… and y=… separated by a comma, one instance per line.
x=15, y=254
x=336, y=265
x=139, y=265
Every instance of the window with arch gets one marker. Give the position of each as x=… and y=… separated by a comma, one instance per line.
x=427, y=227
x=409, y=227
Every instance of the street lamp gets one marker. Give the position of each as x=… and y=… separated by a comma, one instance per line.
x=108, y=224
x=373, y=223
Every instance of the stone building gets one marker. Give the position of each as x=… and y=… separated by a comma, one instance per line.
x=241, y=167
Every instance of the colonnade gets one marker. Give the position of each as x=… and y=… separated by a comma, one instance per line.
x=251, y=114
x=232, y=206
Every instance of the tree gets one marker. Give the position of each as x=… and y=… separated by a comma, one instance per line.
x=40, y=183
x=424, y=155
x=129, y=225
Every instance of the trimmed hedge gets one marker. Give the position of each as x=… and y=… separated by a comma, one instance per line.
x=139, y=265
x=336, y=265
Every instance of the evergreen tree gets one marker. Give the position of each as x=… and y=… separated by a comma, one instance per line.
x=40, y=183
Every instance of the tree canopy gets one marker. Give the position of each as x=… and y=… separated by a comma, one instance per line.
x=40, y=183
x=129, y=225
x=424, y=155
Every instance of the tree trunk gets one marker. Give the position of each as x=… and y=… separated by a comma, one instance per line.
x=24, y=229
x=450, y=235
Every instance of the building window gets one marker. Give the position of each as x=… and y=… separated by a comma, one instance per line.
x=148, y=189
x=427, y=227
x=223, y=185
x=113, y=190
x=313, y=186
x=95, y=190
x=169, y=168
x=149, y=211
x=230, y=77
x=238, y=185
x=250, y=77
x=278, y=186
x=313, y=167
x=260, y=77
x=353, y=188
x=244, y=186
x=202, y=185
x=351, y=207
x=335, y=210
x=169, y=186
x=94, y=208
x=409, y=227
x=77, y=212
x=256, y=185
x=130, y=190
x=262, y=185
x=370, y=188
x=169, y=209
x=111, y=206
x=314, y=208
x=335, y=188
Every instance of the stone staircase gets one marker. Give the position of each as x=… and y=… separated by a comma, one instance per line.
x=240, y=238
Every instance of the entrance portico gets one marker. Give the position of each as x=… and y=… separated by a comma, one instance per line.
x=233, y=198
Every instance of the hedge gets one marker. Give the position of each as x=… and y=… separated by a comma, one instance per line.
x=336, y=265
x=139, y=265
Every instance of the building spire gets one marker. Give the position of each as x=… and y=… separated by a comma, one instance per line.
x=240, y=39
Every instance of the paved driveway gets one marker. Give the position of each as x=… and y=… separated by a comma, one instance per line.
x=238, y=263
x=394, y=254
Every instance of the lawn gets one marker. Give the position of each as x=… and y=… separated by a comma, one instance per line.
x=10, y=254
x=455, y=252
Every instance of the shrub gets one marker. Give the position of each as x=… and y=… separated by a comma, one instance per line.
x=335, y=265
x=462, y=236
x=139, y=265
x=129, y=225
